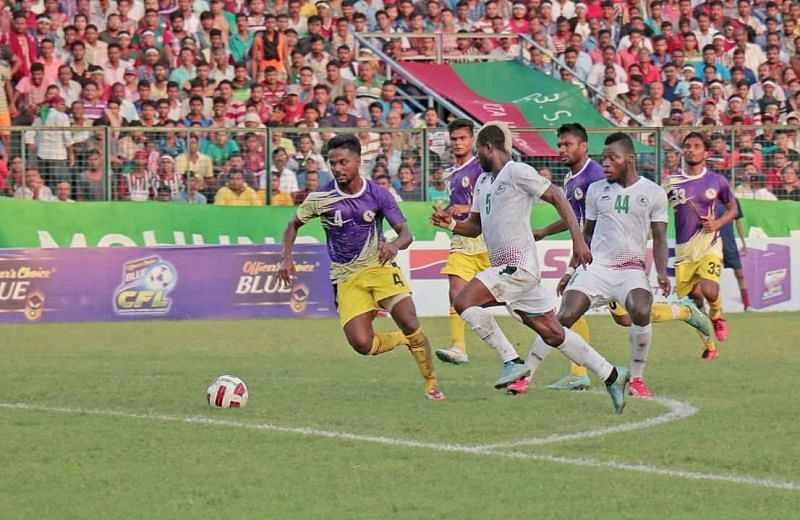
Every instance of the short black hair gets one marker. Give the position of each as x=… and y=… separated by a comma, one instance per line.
x=346, y=141
x=696, y=135
x=574, y=129
x=494, y=135
x=623, y=139
x=458, y=124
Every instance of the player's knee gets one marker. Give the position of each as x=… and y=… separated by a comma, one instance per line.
x=567, y=317
x=553, y=334
x=361, y=345
x=639, y=315
x=460, y=303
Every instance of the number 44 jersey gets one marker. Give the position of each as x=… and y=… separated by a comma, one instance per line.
x=623, y=217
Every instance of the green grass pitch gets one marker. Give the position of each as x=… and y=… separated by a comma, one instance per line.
x=67, y=456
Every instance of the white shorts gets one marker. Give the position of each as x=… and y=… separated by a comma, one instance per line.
x=518, y=289
x=603, y=285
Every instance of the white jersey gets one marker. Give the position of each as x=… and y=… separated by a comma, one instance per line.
x=505, y=207
x=623, y=217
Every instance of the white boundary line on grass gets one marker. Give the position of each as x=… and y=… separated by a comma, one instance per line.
x=677, y=410
x=453, y=448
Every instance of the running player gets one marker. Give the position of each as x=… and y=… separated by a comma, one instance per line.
x=619, y=213
x=468, y=256
x=365, y=278
x=574, y=152
x=501, y=209
x=694, y=194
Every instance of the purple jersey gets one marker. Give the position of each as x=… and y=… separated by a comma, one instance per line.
x=460, y=187
x=693, y=198
x=577, y=184
x=353, y=224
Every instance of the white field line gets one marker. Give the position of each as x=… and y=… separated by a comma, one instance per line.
x=453, y=448
x=677, y=410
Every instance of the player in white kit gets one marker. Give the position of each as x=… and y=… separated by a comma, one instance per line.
x=501, y=209
x=620, y=212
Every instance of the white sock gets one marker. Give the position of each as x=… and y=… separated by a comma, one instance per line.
x=486, y=327
x=581, y=353
x=641, y=337
x=676, y=310
x=539, y=351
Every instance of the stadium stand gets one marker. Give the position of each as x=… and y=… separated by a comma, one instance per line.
x=183, y=100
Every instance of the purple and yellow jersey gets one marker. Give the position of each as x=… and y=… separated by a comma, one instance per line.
x=692, y=199
x=353, y=224
x=577, y=184
x=460, y=186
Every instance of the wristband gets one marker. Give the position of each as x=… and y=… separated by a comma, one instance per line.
x=570, y=271
x=452, y=225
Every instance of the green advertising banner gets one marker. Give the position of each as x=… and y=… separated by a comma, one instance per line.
x=126, y=224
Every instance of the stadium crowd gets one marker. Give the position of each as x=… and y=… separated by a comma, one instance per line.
x=151, y=69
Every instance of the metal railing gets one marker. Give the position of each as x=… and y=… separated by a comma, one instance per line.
x=160, y=163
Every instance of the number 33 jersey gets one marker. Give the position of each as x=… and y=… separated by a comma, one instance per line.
x=505, y=205
x=353, y=224
x=622, y=221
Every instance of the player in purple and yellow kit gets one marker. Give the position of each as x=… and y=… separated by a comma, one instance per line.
x=695, y=194
x=468, y=256
x=364, y=276
x=573, y=150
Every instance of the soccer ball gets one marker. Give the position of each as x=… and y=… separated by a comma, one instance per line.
x=227, y=392
x=160, y=277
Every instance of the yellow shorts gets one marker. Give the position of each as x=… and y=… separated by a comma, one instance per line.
x=687, y=275
x=362, y=292
x=466, y=266
x=617, y=309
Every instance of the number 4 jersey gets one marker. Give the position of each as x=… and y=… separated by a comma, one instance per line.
x=623, y=217
x=353, y=224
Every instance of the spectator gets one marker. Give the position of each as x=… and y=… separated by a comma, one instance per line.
x=288, y=178
x=63, y=192
x=753, y=185
x=138, y=185
x=91, y=183
x=279, y=198
x=194, y=194
x=54, y=150
x=408, y=189
x=236, y=192
x=385, y=182
x=789, y=188
x=195, y=161
x=34, y=188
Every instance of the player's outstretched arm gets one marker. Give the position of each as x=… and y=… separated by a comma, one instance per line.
x=659, y=230
x=580, y=251
x=468, y=228
x=388, y=250
x=286, y=272
x=552, y=229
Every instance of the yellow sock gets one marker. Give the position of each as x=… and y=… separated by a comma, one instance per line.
x=384, y=342
x=708, y=341
x=457, y=334
x=715, y=308
x=669, y=311
x=581, y=328
x=421, y=351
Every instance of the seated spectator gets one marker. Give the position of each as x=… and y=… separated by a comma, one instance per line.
x=279, y=198
x=194, y=160
x=220, y=149
x=34, y=188
x=236, y=192
x=408, y=189
x=753, y=185
x=137, y=185
x=384, y=181
x=789, y=189
x=340, y=118
x=288, y=178
x=312, y=184
x=437, y=189
x=166, y=176
x=194, y=193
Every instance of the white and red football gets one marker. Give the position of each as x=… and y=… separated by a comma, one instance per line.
x=227, y=392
